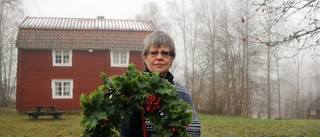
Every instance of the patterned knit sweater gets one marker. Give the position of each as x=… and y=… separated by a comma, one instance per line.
x=133, y=126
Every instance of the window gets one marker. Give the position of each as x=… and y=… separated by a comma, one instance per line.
x=62, y=89
x=62, y=57
x=119, y=58
x=313, y=112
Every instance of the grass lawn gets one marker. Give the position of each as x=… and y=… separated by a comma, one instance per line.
x=13, y=124
x=250, y=127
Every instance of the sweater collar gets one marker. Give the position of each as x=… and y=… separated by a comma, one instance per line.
x=169, y=76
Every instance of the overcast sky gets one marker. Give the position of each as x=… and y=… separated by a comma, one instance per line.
x=111, y=9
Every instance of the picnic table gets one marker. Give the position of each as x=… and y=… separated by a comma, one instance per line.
x=39, y=111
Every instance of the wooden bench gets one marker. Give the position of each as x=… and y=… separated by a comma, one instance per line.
x=55, y=114
x=51, y=112
x=34, y=115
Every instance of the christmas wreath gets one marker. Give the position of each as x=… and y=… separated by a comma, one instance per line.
x=120, y=96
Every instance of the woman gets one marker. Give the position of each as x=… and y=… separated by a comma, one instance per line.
x=158, y=54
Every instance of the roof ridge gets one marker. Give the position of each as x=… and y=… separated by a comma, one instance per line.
x=86, y=23
x=85, y=18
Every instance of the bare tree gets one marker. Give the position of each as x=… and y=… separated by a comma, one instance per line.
x=278, y=82
x=298, y=62
x=286, y=10
x=10, y=16
x=152, y=12
x=189, y=27
x=268, y=34
x=179, y=17
x=208, y=13
x=247, y=20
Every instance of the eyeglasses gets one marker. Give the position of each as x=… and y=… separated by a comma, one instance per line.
x=164, y=54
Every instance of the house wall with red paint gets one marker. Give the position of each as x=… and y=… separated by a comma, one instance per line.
x=36, y=71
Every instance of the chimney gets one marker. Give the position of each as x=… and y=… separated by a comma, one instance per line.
x=100, y=17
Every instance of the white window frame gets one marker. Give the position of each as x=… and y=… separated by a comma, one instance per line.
x=115, y=55
x=313, y=112
x=63, y=90
x=54, y=57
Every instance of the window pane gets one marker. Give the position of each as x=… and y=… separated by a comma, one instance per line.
x=66, y=56
x=57, y=85
x=58, y=89
x=65, y=52
x=58, y=93
x=116, y=57
x=66, y=93
x=58, y=56
x=123, y=57
x=58, y=52
x=58, y=59
x=66, y=88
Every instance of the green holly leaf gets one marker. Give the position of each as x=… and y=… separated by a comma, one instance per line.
x=89, y=122
x=84, y=100
x=131, y=67
x=131, y=72
x=100, y=115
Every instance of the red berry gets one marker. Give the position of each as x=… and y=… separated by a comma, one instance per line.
x=173, y=129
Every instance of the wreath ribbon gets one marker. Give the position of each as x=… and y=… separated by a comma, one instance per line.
x=143, y=121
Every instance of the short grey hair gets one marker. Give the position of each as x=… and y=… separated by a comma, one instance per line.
x=158, y=38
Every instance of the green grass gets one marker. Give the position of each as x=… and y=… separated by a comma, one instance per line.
x=250, y=127
x=13, y=124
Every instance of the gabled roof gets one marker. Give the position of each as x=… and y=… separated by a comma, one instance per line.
x=82, y=33
x=315, y=104
x=99, y=23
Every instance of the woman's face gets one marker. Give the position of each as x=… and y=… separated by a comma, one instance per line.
x=158, y=59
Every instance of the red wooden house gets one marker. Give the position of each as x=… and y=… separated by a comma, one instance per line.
x=61, y=58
